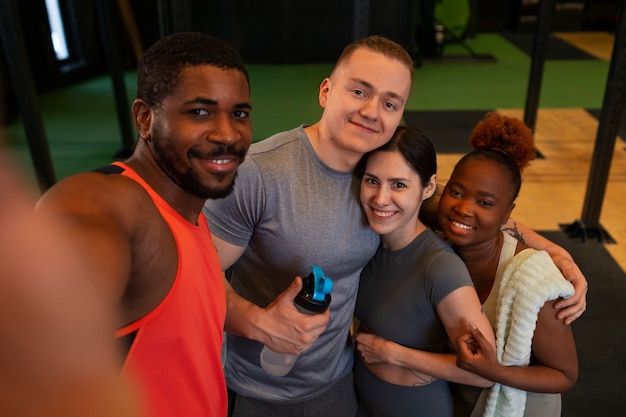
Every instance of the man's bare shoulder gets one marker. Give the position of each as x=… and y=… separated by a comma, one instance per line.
x=94, y=194
x=104, y=210
x=120, y=233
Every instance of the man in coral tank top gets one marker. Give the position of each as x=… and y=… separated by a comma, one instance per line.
x=143, y=239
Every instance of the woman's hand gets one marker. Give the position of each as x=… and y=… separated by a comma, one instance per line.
x=475, y=353
x=371, y=347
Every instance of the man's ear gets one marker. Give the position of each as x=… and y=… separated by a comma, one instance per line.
x=324, y=88
x=142, y=115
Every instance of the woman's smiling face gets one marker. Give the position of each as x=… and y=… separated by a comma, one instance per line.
x=475, y=203
x=391, y=196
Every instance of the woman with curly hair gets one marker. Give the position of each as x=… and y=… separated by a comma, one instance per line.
x=535, y=357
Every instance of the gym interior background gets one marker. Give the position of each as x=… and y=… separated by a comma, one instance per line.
x=277, y=31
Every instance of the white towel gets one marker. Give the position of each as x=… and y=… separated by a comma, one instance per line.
x=529, y=280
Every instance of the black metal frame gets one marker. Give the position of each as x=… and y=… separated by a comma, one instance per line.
x=20, y=72
x=540, y=46
x=612, y=110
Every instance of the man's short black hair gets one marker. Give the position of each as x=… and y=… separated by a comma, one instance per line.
x=159, y=70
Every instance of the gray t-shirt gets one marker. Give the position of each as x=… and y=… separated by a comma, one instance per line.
x=398, y=297
x=291, y=211
x=400, y=290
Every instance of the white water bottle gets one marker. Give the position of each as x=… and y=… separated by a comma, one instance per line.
x=314, y=298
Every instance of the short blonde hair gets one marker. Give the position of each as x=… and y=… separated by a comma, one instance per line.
x=382, y=45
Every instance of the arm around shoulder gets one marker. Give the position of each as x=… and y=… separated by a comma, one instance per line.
x=568, y=309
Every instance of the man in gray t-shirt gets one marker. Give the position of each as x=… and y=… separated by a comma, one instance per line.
x=304, y=214
x=293, y=207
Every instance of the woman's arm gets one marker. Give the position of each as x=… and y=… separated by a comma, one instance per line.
x=569, y=309
x=554, y=368
x=375, y=349
x=456, y=310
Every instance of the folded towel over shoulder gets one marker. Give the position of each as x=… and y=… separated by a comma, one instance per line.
x=529, y=280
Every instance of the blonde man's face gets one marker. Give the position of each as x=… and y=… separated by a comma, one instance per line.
x=364, y=100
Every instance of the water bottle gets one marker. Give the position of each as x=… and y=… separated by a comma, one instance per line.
x=314, y=298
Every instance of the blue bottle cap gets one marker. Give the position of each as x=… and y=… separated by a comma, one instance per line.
x=315, y=294
x=321, y=284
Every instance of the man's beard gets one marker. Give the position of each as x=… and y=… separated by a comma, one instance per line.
x=190, y=180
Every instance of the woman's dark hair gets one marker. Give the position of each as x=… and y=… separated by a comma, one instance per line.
x=158, y=73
